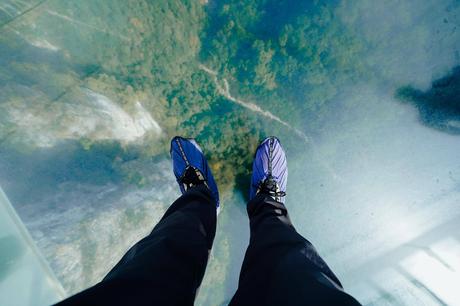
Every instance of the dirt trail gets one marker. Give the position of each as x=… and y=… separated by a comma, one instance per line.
x=225, y=91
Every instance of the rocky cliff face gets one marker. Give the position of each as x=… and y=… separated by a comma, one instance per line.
x=84, y=114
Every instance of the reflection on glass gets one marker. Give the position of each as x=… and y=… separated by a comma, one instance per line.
x=22, y=268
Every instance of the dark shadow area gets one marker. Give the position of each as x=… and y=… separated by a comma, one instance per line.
x=242, y=182
x=438, y=107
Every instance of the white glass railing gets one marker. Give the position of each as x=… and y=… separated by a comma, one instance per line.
x=25, y=277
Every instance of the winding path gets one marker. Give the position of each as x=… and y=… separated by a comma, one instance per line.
x=225, y=91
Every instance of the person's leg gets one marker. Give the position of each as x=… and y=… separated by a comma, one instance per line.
x=167, y=267
x=280, y=266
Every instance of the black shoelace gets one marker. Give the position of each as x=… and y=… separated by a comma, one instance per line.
x=271, y=188
x=192, y=177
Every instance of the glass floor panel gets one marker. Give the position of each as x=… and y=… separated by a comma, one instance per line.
x=364, y=96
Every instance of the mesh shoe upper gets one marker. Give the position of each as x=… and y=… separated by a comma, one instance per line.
x=269, y=170
x=190, y=166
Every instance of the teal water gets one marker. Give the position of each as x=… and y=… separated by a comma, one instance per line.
x=362, y=94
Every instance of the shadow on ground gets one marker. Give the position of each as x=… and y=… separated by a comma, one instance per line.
x=438, y=107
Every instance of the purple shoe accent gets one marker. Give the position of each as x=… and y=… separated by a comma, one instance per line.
x=269, y=170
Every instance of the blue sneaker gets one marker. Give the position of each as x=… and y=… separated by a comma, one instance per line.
x=269, y=170
x=190, y=166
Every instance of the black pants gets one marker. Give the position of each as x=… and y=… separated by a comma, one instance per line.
x=166, y=267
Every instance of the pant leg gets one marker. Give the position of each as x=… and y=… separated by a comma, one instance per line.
x=280, y=266
x=167, y=266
